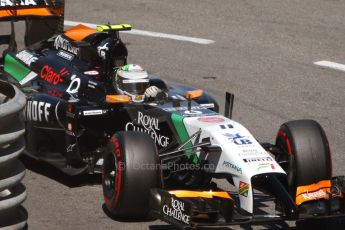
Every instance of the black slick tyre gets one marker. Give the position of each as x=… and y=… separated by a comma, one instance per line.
x=130, y=170
x=306, y=155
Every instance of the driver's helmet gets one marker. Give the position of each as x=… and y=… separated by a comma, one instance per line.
x=132, y=80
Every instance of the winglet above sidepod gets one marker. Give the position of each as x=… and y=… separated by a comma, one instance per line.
x=118, y=27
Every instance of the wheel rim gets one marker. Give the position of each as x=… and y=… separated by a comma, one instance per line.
x=288, y=158
x=109, y=178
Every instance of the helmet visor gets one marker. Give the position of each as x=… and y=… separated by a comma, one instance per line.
x=137, y=87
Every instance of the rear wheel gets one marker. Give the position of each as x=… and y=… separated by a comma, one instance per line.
x=130, y=170
x=306, y=157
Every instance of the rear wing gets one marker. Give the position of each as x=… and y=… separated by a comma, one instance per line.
x=43, y=19
x=30, y=9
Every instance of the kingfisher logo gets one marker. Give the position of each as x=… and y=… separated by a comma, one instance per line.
x=315, y=195
x=62, y=43
x=20, y=3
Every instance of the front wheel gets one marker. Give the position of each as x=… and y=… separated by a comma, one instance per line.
x=306, y=153
x=130, y=170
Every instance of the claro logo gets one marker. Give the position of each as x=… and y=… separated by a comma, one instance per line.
x=49, y=75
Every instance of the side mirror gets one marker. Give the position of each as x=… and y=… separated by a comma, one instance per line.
x=115, y=99
x=193, y=95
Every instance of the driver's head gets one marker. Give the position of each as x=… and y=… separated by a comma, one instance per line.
x=132, y=80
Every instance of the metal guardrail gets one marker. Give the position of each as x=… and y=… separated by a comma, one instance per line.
x=12, y=171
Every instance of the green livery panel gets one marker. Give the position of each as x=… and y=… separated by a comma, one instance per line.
x=16, y=69
x=183, y=135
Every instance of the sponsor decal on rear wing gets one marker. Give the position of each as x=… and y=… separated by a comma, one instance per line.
x=23, y=9
x=43, y=19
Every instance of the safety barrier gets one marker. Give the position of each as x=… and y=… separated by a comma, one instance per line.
x=12, y=171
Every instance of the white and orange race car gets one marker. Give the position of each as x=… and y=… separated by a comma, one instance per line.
x=295, y=171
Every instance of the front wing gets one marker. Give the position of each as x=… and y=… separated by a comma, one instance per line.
x=191, y=209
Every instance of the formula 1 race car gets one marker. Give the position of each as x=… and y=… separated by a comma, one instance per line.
x=159, y=157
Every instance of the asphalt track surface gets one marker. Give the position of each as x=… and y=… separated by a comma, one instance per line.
x=263, y=52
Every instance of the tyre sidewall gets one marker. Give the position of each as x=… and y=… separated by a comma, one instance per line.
x=138, y=172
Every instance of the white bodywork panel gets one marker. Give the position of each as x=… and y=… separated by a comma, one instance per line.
x=242, y=156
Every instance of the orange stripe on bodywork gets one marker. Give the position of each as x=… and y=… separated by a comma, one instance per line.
x=204, y=194
x=44, y=12
x=320, y=190
x=79, y=32
x=117, y=99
